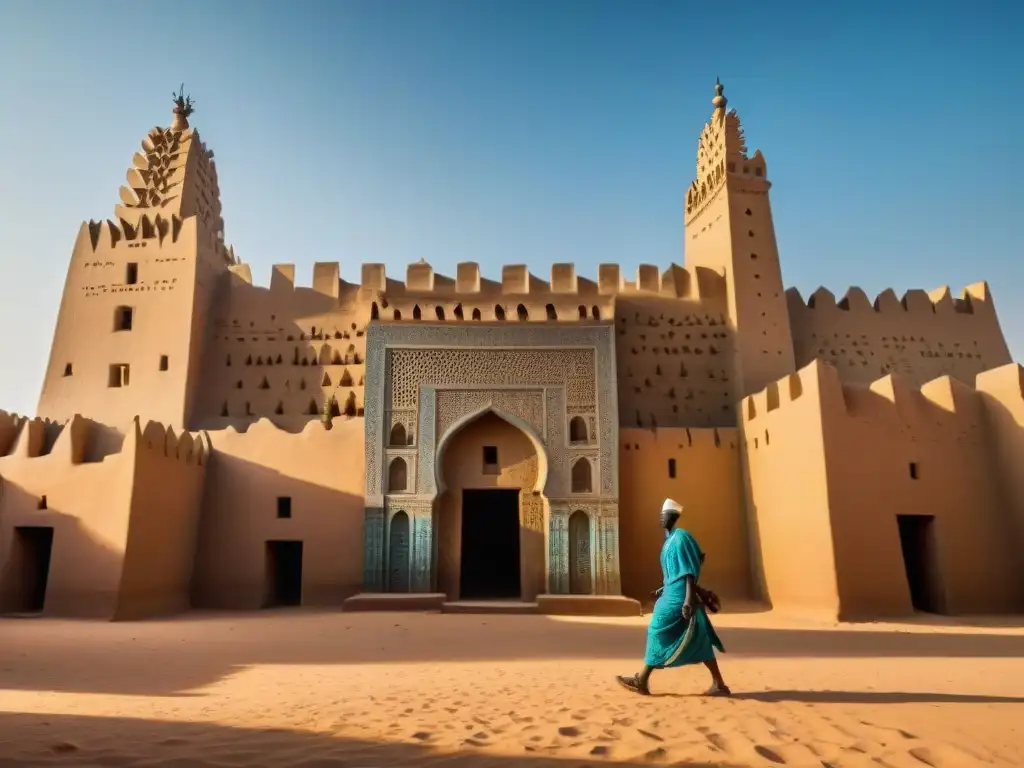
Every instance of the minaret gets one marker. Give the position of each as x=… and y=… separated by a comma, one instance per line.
x=132, y=321
x=729, y=229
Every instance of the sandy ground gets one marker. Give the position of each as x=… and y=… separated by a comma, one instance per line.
x=333, y=689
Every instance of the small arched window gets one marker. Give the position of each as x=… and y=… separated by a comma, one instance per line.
x=416, y=312
x=499, y=312
x=397, y=436
x=397, y=472
x=581, y=476
x=578, y=430
x=522, y=313
x=552, y=314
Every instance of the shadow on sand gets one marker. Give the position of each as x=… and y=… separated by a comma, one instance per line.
x=856, y=697
x=182, y=655
x=35, y=740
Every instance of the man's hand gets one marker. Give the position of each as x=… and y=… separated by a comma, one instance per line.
x=687, y=610
x=657, y=593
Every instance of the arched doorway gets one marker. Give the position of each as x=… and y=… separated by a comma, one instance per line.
x=490, y=516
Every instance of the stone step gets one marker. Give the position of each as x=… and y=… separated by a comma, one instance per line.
x=489, y=606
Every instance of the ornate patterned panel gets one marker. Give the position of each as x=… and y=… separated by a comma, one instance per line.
x=419, y=532
x=398, y=552
x=526, y=404
x=600, y=338
x=558, y=551
x=373, y=547
x=580, y=576
x=572, y=367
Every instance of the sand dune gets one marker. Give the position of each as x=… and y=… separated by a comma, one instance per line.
x=324, y=689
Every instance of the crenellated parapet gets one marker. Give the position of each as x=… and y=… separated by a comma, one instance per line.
x=160, y=440
x=819, y=383
x=515, y=280
x=973, y=299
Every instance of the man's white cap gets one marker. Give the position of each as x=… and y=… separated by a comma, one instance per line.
x=672, y=506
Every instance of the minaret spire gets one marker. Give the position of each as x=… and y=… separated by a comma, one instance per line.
x=719, y=101
x=183, y=107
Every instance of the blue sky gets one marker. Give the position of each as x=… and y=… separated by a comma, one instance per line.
x=519, y=132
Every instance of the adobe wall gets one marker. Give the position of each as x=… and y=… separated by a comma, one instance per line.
x=920, y=336
x=853, y=458
x=873, y=436
x=280, y=352
x=787, y=494
x=167, y=494
x=322, y=471
x=77, y=480
x=674, y=361
x=707, y=484
x=1002, y=392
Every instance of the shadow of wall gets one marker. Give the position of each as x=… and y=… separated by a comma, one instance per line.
x=87, y=506
x=699, y=468
x=321, y=472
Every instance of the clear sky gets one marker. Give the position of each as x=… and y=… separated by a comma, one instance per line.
x=519, y=132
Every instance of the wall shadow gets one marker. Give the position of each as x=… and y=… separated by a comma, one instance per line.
x=84, y=573
x=175, y=657
x=857, y=697
x=240, y=515
x=206, y=745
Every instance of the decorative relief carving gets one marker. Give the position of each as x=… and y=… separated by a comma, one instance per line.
x=412, y=369
x=423, y=532
x=373, y=543
x=558, y=462
x=453, y=404
x=558, y=551
x=420, y=533
x=532, y=507
x=580, y=572
x=558, y=371
x=398, y=552
x=380, y=337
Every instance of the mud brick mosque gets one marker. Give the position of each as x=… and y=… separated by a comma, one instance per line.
x=474, y=443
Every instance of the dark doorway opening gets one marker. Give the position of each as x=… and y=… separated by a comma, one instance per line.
x=917, y=540
x=490, y=545
x=30, y=568
x=284, y=573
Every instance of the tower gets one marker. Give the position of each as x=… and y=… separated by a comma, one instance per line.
x=132, y=319
x=729, y=228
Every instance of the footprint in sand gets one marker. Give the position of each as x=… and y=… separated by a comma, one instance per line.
x=64, y=748
x=769, y=754
x=569, y=731
x=601, y=751
x=649, y=735
x=656, y=755
x=423, y=736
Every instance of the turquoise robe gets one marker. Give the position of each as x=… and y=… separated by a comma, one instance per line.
x=672, y=641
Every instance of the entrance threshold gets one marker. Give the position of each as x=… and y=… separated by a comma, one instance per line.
x=510, y=607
